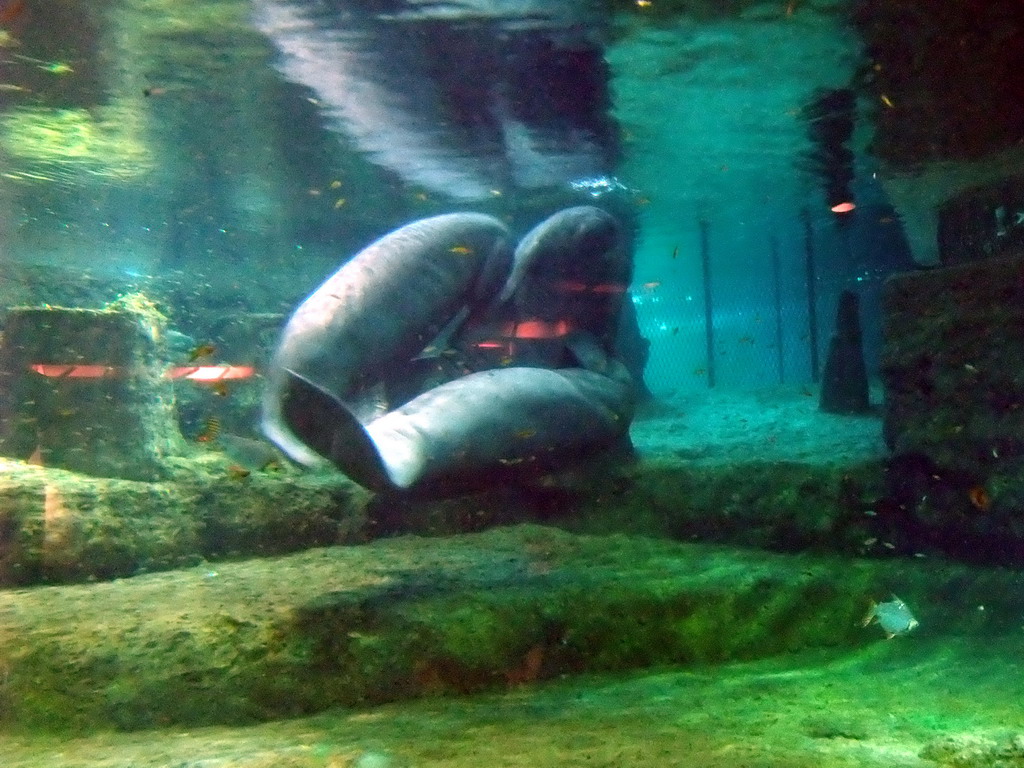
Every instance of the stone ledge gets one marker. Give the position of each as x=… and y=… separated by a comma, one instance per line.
x=410, y=617
x=60, y=526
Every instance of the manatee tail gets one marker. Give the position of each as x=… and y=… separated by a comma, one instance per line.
x=331, y=430
x=276, y=430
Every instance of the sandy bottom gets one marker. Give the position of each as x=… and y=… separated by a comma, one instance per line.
x=775, y=424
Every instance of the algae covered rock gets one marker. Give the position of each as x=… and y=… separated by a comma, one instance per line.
x=967, y=750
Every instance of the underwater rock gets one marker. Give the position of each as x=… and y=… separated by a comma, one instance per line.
x=952, y=359
x=409, y=617
x=59, y=526
x=85, y=390
x=967, y=750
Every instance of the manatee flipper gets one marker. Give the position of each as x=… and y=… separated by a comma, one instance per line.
x=330, y=429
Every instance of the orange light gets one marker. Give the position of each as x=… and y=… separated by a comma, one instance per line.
x=538, y=329
x=843, y=207
x=55, y=371
x=211, y=372
x=194, y=372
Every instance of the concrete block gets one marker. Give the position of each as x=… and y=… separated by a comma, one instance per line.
x=953, y=364
x=983, y=221
x=85, y=390
x=953, y=369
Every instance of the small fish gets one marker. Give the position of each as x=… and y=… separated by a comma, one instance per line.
x=894, y=617
x=887, y=101
x=250, y=453
x=203, y=350
x=53, y=67
x=980, y=498
x=652, y=285
x=335, y=184
x=58, y=68
x=12, y=88
x=220, y=388
x=746, y=339
x=699, y=371
x=236, y=472
x=339, y=202
x=462, y=250
x=525, y=434
x=675, y=251
x=210, y=430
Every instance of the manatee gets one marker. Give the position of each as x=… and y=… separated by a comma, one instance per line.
x=484, y=428
x=381, y=308
x=569, y=276
x=581, y=243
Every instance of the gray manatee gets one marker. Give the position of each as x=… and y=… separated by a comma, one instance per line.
x=582, y=243
x=380, y=309
x=481, y=429
x=569, y=276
